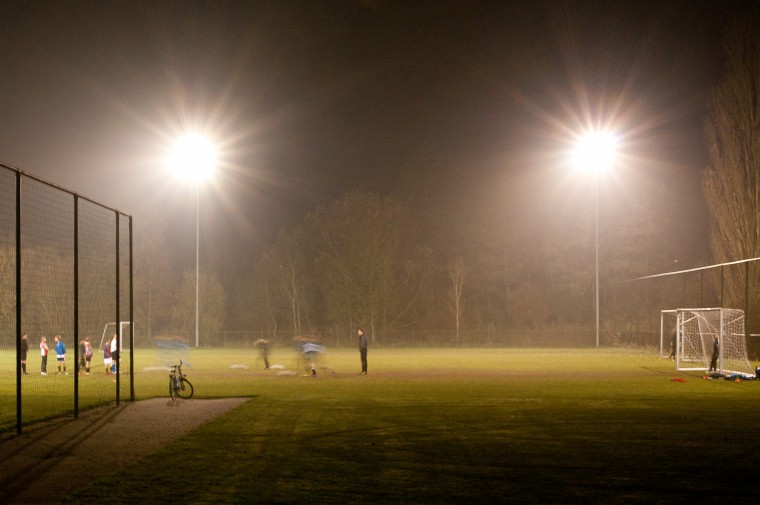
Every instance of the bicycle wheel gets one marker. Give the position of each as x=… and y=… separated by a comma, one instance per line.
x=171, y=388
x=185, y=389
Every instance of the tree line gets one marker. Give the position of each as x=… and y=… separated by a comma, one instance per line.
x=401, y=267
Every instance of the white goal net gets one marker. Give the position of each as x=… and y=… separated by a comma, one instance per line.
x=711, y=339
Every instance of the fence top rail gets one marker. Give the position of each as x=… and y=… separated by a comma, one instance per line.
x=60, y=188
x=697, y=269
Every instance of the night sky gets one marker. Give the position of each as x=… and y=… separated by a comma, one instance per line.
x=309, y=100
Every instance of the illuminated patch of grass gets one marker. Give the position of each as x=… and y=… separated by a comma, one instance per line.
x=467, y=426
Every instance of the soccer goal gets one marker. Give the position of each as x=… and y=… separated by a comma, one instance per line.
x=697, y=332
x=122, y=328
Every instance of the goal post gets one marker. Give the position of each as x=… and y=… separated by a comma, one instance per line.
x=668, y=319
x=122, y=328
x=703, y=332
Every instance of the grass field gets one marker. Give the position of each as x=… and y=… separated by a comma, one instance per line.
x=447, y=425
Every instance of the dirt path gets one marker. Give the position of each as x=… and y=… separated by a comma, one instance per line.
x=48, y=461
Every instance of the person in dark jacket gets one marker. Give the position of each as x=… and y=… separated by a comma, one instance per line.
x=715, y=354
x=24, y=352
x=60, y=354
x=362, y=349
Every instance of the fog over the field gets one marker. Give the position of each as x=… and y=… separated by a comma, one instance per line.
x=463, y=112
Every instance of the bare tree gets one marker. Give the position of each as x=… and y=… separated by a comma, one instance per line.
x=457, y=274
x=370, y=271
x=291, y=251
x=264, y=302
x=732, y=181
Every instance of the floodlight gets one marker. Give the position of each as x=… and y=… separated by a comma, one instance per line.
x=595, y=151
x=193, y=157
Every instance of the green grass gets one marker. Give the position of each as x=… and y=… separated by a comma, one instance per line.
x=448, y=425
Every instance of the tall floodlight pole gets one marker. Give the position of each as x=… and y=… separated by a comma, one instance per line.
x=198, y=261
x=193, y=157
x=595, y=153
x=596, y=242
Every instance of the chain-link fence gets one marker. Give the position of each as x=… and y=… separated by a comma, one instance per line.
x=65, y=272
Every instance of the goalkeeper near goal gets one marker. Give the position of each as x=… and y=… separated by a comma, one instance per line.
x=715, y=354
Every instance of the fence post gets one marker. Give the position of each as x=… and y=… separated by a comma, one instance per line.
x=76, y=306
x=131, y=320
x=118, y=318
x=18, y=303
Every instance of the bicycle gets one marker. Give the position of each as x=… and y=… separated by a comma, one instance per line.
x=179, y=386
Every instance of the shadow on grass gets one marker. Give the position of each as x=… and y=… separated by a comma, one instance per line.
x=482, y=440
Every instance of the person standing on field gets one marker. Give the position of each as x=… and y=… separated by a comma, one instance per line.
x=115, y=353
x=673, y=344
x=107, y=356
x=362, y=349
x=715, y=354
x=60, y=354
x=44, y=353
x=82, y=361
x=87, y=355
x=24, y=351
